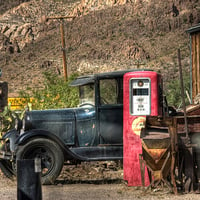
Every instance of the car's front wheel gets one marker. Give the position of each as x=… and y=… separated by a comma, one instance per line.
x=49, y=152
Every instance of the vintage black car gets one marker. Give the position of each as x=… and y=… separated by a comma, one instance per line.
x=93, y=131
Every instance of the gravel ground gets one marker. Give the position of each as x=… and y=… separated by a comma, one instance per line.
x=99, y=182
x=94, y=191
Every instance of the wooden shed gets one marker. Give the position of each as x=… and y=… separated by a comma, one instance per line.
x=195, y=59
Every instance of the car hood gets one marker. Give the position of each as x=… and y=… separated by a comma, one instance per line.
x=57, y=115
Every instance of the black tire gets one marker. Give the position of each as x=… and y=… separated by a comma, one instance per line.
x=51, y=156
x=6, y=168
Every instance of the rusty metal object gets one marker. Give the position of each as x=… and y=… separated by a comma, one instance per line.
x=158, y=169
x=156, y=155
x=158, y=144
x=184, y=156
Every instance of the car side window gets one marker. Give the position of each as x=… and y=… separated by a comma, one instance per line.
x=108, y=91
x=87, y=94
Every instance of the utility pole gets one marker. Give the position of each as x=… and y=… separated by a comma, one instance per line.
x=62, y=32
x=138, y=63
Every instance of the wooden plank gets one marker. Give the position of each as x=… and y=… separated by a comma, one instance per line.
x=197, y=62
x=198, y=58
x=194, y=71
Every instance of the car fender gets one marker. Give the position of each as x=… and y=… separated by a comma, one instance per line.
x=28, y=135
x=12, y=135
x=25, y=137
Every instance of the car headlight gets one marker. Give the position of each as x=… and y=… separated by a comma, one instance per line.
x=18, y=124
x=26, y=123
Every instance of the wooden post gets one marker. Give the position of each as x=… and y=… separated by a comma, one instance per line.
x=173, y=135
x=63, y=49
x=62, y=40
x=182, y=93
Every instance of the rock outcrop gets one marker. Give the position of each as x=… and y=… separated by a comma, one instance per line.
x=22, y=24
x=105, y=35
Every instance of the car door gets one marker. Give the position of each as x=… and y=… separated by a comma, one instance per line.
x=86, y=117
x=110, y=111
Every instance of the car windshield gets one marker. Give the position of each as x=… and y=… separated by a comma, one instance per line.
x=87, y=94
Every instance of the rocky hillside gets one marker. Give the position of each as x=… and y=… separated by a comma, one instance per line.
x=105, y=35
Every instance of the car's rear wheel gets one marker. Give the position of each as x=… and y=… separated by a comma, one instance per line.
x=49, y=152
x=6, y=165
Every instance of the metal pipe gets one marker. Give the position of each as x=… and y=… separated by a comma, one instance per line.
x=182, y=92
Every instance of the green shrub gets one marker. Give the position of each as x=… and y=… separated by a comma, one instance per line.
x=173, y=91
x=7, y=120
x=56, y=93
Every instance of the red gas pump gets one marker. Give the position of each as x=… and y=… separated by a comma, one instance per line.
x=142, y=97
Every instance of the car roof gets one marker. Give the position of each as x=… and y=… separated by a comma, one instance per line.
x=87, y=79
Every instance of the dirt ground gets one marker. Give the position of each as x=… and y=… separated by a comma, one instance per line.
x=93, y=181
